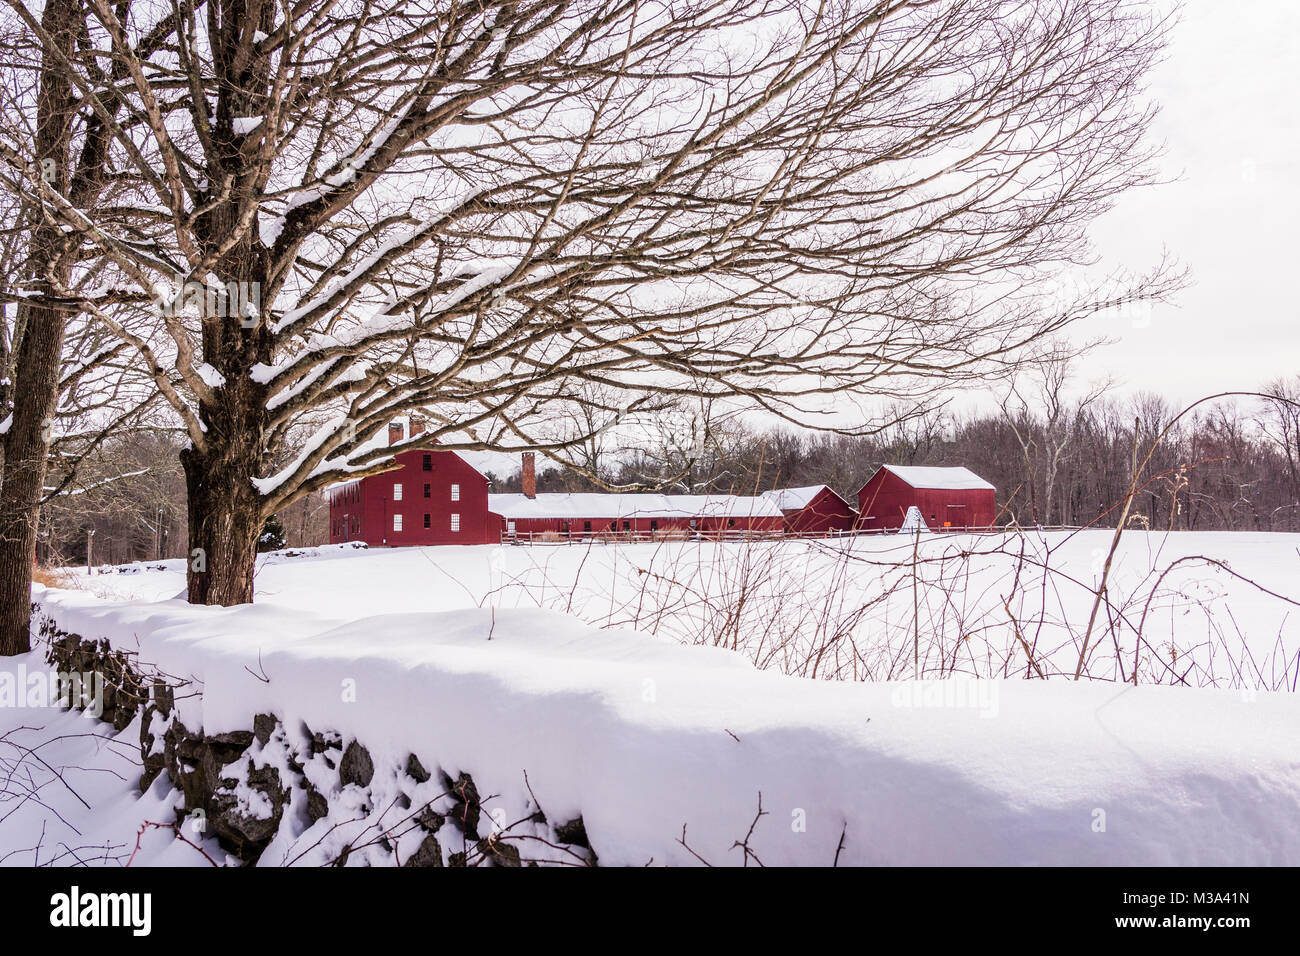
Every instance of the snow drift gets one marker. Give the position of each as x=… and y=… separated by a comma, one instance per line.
x=665, y=750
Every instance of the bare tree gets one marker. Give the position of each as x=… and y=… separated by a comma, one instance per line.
x=480, y=209
x=55, y=153
x=1043, y=416
x=1280, y=422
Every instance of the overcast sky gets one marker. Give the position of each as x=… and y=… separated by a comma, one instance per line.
x=1231, y=124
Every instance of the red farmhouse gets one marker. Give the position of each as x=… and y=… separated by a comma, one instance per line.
x=815, y=509
x=435, y=497
x=946, y=497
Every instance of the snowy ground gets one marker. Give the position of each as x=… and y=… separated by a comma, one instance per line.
x=462, y=656
x=1215, y=609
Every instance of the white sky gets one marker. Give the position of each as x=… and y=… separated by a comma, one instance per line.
x=1231, y=124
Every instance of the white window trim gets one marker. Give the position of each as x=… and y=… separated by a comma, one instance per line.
x=397, y=522
x=455, y=492
x=455, y=521
x=397, y=491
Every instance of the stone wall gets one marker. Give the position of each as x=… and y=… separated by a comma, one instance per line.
x=272, y=783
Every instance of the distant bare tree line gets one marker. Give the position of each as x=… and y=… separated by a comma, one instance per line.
x=1232, y=465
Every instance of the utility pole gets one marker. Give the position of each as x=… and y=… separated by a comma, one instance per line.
x=90, y=538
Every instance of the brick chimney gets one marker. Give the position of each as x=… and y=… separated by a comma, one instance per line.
x=417, y=425
x=394, y=432
x=528, y=476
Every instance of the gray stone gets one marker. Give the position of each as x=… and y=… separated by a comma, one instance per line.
x=430, y=820
x=466, y=810
x=356, y=765
x=415, y=770
x=238, y=740
x=499, y=853
x=264, y=727
x=573, y=833
x=317, y=806
x=325, y=741
x=247, y=835
x=429, y=853
x=164, y=696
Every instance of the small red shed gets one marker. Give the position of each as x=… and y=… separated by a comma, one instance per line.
x=949, y=498
x=814, y=509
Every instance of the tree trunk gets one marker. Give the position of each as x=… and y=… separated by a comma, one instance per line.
x=224, y=507
x=26, y=448
x=38, y=351
x=225, y=519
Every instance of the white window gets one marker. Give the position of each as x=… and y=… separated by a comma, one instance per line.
x=397, y=522
x=397, y=492
x=455, y=522
x=455, y=492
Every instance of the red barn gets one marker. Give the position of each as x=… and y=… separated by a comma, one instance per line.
x=814, y=509
x=435, y=497
x=948, y=498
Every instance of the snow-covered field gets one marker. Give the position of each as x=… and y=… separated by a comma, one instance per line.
x=1212, y=608
x=621, y=680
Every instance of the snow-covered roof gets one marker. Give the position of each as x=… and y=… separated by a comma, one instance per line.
x=595, y=505
x=948, y=479
x=796, y=499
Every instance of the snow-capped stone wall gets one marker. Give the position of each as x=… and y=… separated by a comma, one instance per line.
x=484, y=735
x=245, y=787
